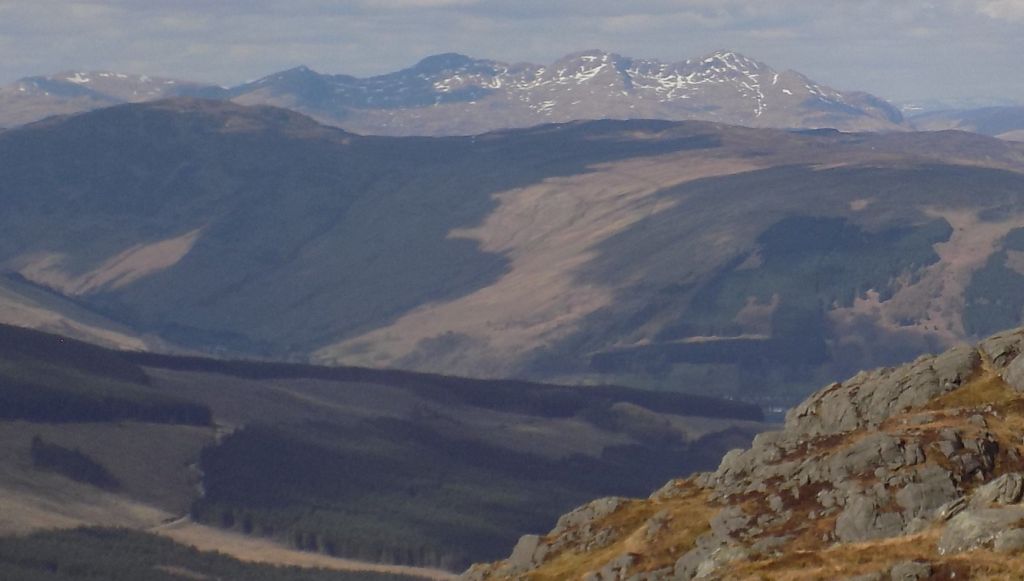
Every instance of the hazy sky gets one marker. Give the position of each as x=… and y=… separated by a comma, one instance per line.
x=898, y=49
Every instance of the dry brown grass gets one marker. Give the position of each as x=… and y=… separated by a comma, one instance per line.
x=147, y=459
x=984, y=389
x=549, y=231
x=819, y=564
x=879, y=556
x=1001, y=406
x=689, y=517
x=570, y=564
x=24, y=306
x=135, y=263
x=984, y=565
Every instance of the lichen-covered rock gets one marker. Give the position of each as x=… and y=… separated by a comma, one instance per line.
x=869, y=398
x=1006, y=489
x=866, y=455
x=932, y=489
x=671, y=489
x=1013, y=374
x=729, y=521
x=664, y=574
x=527, y=554
x=768, y=545
x=655, y=524
x=951, y=509
x=863, y=519
x=587, y=513
x=688, y=565
x=1009, y=541
x=910, y=571
x=1002, y=350
x=720, y=557
x=616, y=570
x=976, y=528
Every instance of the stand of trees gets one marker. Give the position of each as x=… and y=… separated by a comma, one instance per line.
x=98, y=554
x=401, y=492
x=46, y=378
x=71, y=463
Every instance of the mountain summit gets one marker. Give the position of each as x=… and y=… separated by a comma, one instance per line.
x=453, y=94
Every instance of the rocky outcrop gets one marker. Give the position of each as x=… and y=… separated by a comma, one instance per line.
x=910, y=571
x=869, y=398
x=579, y=528
x=930, y=452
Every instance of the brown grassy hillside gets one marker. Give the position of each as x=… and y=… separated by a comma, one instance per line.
x=674, y=255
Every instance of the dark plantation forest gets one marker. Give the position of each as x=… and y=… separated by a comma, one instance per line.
x=93, y=554
x=422, y=489
x=72, y=463
x=402, y=493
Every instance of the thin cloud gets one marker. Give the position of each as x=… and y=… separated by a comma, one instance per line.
x=392, y=4
x=1012, y=10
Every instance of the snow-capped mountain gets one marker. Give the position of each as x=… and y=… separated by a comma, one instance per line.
x=455, y=94
x=118, y=87
x=451, y=94
x=34, y=98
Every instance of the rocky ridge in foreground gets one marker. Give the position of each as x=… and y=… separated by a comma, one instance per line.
x=900, y=473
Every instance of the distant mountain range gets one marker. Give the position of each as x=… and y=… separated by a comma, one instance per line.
x=681, y=254
x=35, y=98
x=452, y=94
x=922, y=106
x=1002, y=122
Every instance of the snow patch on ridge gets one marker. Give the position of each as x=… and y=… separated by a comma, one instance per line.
x=79, y=79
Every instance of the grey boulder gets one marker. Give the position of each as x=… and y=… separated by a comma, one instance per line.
x=972, y=529
x=910, y=571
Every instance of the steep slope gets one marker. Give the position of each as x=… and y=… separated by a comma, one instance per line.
x=1002, y=122
x=906, y=473
x=672, y=254
x=26, y=305
x=452, y=94
x=381, y=466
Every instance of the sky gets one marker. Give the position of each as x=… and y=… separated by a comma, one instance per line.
x=902, y=50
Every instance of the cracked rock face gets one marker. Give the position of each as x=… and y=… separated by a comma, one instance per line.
x=863, y=518
x=869, y=398
x=889, y=453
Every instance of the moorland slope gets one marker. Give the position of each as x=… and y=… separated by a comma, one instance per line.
x=689, y=255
